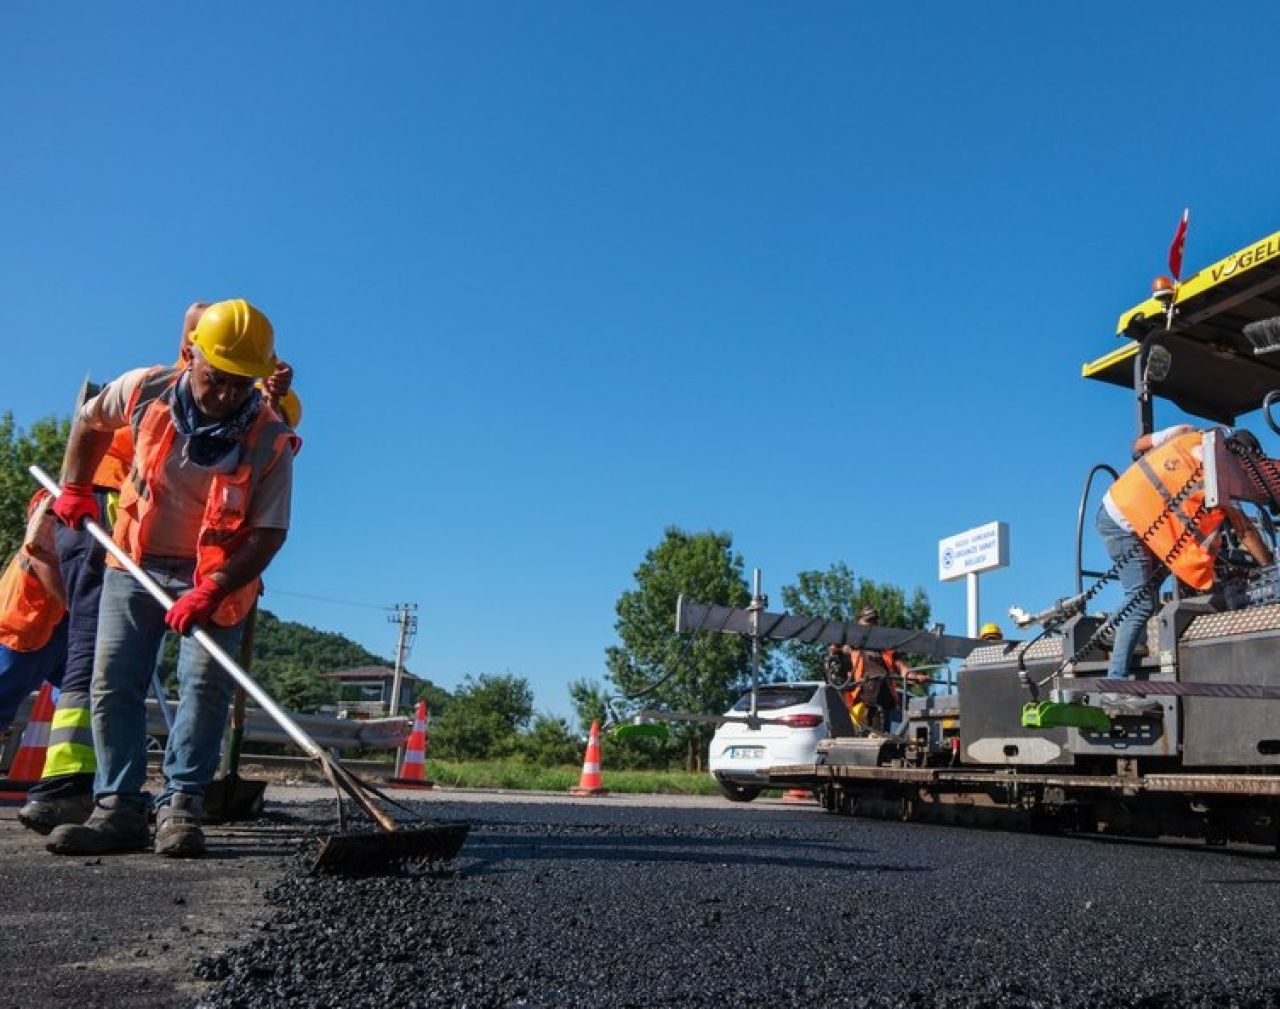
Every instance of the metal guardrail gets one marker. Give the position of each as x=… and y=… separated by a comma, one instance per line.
x=330, y=732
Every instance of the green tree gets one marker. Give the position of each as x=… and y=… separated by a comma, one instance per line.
x=484, y=718
x=589, y=699
x=549, y=743
x=652, y=665
x=44, y=445
x=837, y=594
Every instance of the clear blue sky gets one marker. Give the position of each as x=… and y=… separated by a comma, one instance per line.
x=555, y=276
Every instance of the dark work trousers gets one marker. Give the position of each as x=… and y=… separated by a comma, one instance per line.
x=69, y=762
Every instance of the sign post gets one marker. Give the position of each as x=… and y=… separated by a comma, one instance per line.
x=969, y=553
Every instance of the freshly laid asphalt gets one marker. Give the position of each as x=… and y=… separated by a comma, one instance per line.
x=649, y=902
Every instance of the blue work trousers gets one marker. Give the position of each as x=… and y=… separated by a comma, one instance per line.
x=130, y=628
x=23, y=672
x=81, y=560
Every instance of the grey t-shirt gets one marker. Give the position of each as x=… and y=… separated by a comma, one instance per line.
x=176, y=527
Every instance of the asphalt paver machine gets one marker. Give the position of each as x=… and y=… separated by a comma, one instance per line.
x=1022, y=739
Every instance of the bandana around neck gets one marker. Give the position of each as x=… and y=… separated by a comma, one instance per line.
x=211, y=444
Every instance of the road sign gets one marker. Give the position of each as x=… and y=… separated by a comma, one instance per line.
x=975, y=550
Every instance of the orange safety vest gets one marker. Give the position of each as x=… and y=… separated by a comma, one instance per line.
x=28, y=611
x=223, y=526
x=114, y=468
x=887, y=658
x=1143, y=494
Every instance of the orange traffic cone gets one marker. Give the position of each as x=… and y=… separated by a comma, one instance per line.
x=413, y=769
x=589, y=783
x=28, y=762
x=798, y=795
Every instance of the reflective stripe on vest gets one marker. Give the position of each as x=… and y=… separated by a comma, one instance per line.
x=1143, y=494
x=70, y=748
x=227, y=506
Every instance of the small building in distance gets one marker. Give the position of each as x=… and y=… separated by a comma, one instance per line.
x=365, y=692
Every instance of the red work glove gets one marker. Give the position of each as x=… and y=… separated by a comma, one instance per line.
x=196, y=607
x=75, y=504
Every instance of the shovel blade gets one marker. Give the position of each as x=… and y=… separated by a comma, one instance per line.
x=382, y=853
x=232, y=799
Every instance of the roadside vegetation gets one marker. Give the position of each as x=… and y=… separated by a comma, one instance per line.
x=486, y=731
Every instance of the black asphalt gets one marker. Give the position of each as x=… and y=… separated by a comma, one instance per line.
x=582, y=904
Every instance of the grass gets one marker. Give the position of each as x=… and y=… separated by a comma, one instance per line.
x=517, y=776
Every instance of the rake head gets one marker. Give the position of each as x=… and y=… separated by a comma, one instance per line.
x=385, y=853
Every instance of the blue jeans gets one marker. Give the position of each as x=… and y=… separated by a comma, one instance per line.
x=130, y=628
x=1139, y=597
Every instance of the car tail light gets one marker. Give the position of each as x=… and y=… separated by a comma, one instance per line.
x=801, y=721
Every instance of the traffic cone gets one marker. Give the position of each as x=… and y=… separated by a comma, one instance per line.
x=798, y=795
x=28, y=762
x=413, y=768
x=589, y=783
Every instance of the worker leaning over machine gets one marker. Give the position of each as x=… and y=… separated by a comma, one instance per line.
x=204, y=509
x=1152, y=520
x=64, y=793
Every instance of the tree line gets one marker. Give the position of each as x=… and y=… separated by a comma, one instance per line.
x=492, y=716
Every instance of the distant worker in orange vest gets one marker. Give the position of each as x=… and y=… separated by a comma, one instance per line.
x=1140, y=530
x=64, y=793
x=204, y=509
x=873, y=678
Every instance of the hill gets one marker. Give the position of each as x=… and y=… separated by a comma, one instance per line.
x=289, y=658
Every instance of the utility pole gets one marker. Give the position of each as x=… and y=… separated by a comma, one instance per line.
x=404, y=614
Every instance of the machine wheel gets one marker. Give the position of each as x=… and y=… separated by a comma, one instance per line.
x=738, y=793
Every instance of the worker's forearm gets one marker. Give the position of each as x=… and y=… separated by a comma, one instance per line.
x=250, y=559
x=85, y=449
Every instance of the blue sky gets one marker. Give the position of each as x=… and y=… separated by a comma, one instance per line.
x=556, y=276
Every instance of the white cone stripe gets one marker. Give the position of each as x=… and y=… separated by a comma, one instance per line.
x=590, y=768
x=35, y=734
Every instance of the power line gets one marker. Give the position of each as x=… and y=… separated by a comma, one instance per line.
x=326, y=599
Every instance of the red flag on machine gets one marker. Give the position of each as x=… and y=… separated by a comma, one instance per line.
x=1175, y=250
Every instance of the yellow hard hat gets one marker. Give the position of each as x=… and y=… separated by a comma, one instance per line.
x=291, y=409
x=237, y=338
x=991, y=632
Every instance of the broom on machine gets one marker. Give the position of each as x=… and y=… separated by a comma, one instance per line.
x=386, y=850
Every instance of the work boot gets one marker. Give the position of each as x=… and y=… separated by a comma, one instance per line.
x=112, y=826
x=178, y=833
x=42, y=815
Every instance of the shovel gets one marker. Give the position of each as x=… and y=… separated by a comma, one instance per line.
x=231, y=797
x=386, y=850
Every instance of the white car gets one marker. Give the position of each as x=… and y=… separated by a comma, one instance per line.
x=741, y=756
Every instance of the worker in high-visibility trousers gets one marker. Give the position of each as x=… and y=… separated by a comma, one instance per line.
x=64, y=793
x=204, y=510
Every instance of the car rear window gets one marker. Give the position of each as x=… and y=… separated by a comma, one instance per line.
x=774, y=697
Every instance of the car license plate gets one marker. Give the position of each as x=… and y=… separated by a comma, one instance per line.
x=746, y=752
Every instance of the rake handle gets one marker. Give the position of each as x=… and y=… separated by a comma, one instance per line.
x=338, y=774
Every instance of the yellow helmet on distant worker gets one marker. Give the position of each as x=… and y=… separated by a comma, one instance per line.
x=991, y=632
x=235, y=337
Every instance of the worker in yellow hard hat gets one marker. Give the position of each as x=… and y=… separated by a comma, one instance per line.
x=204, y=435
x=64, y=793
x=991, y=632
